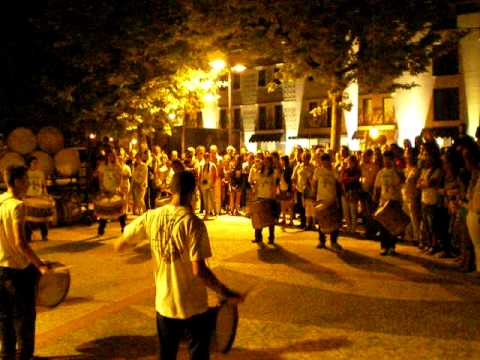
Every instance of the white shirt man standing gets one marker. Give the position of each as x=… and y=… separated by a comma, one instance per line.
x=180, y=245
x=19, y=271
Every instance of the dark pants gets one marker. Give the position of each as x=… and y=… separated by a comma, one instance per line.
x=387, y=240
x=333, y=237
x=299, y=208
x=102, y=223
x=17, y=312
x=271, y=234
x=197, y=330
x=29, y=227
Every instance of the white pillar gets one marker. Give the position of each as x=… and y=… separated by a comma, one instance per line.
x=351, y=117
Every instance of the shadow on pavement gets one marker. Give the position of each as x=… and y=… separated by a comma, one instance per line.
x=307, y=346
x=367, y=263
x=74, y=246
x=279, y=255
x=140, y=254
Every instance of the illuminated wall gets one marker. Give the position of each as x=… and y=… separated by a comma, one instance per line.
x=470, y=63
x=351, y=117
x=413, y=106
x=210, y=114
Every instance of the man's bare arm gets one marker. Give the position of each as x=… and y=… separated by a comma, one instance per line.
x=24, y=248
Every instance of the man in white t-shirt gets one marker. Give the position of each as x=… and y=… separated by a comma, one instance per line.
x=19, y=271
x=388, y=187
x=180, y=246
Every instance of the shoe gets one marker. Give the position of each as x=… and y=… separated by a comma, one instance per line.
x=321, y=245
x=336, y=247
x=101, y=232
x=384, y=252
x=45, y=239
x=271, y=242
x=391, y=252
x=256, y=241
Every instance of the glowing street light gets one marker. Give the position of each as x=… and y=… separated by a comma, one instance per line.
x=209, y=97
x=92, y=136
x=373, y=132
x=172, y=116
x=218, y=64
x=238, y=68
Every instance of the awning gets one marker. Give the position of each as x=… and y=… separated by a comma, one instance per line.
x=265, y=137
x=310, y=136
x=359, y=135
x=444, y=131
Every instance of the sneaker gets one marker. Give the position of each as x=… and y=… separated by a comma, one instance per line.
x=336, y=247
x=391, y=252
x=271, y=242
x=321, y=245
x=384, y=252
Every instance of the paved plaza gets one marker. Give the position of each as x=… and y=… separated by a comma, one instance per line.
x=304, y=303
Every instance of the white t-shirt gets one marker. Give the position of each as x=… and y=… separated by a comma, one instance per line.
x=326, y=185
x=265, y=185
x=36, y=182
x=111, y=176
x=140, y=174
x=389, y=183
x=177, y=237
x=12, y=212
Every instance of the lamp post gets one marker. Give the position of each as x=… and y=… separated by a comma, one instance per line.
x=219, y=65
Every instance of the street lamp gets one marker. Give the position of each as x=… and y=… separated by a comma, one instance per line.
x=219, y=65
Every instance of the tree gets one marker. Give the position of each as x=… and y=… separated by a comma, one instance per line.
x=336, y=42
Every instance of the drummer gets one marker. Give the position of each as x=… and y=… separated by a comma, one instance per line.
x=37, y=187
x=19, y=270
x=328, y=191
x=180, y=245
x=265, y=183
x=388, y=185
x=110, y=182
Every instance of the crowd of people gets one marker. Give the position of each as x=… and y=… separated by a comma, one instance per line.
x=437, y=188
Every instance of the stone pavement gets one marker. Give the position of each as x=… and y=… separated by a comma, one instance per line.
x=304, y=303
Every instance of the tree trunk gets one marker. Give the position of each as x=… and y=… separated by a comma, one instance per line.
x=336, y=127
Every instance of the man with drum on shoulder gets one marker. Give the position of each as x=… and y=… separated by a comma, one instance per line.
x=19, y=271
x=180, y=246
x=37, y=188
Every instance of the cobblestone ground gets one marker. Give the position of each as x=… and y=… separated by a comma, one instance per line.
x=304, y=303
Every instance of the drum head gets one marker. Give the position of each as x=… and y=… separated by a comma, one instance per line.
x=53, y=287
x=43, y=202
x=225, y=330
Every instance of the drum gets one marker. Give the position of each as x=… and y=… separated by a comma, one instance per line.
x=262, y=213
x=67, y=162
x=224, y=322
x=53, y=287
x=162, y=200
x=50, y=139
x=39, y=209
x=392, y=217
x=10, y=159
x=109, y=207
x=22, y=140
x=45, y=160
x=329, y=216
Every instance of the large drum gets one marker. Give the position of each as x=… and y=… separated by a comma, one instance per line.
x=263, y=213
x=50, y=139
x=67, y=162
x=109, y=207
x=224, y=322
x=392, y=217
x=39, y=209
x=53, y=287
x=10, y=159
x=22, y=140
x=329, y=216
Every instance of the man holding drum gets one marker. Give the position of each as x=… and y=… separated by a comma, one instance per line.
x=180, y=245
x=19, y=271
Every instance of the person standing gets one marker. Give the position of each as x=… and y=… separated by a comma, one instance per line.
x=472, y=161
x=180, y=245
x=20, y=268
x=110, y=181
x=37, y=188
x=139, y=184
x=387, y=188
x=207, y=175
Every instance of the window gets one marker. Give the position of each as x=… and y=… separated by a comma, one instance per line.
x=446, y=104
x=262, y=78
x=223, y=119
x=278, y=117
x=224, y=82
x=367, y=111
x=236, y=81
x=446, y=64
x=237, y=119
x=262, y=118
x=388, y=110
x=199, y=119
x=187, y=120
